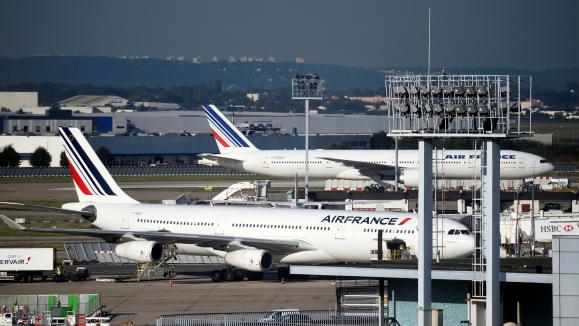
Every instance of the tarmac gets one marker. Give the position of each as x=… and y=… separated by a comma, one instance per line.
x=143, y=302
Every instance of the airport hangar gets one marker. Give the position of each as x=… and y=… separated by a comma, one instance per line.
x=166, y=137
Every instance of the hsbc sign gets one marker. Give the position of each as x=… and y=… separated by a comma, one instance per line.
x=545, y=229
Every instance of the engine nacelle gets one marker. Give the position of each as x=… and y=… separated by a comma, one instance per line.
x=254, y=260
x=410, y=178
x=141, y=251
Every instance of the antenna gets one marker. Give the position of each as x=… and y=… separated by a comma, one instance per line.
x=429, y=44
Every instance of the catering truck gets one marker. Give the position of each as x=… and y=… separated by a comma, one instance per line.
x=26, y=264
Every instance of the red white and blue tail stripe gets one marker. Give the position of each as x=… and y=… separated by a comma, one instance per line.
x=92, y=181
x=227, y=136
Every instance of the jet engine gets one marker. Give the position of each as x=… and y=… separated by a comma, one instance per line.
x=254, y=260
x=409, y=177
x=141, y=251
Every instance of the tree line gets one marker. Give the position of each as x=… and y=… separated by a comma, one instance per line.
x=9, y=157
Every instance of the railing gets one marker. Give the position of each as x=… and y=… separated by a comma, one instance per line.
x=278, y=317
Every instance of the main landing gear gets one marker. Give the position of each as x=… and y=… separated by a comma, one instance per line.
x=374, y=188
x=235, y=275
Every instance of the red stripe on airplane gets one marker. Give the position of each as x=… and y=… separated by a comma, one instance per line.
x=219, y=139
x=78, y=180
x=405, y=220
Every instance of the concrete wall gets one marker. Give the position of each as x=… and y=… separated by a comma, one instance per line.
x=17, y=100
x=446, y=295
x=565, y=280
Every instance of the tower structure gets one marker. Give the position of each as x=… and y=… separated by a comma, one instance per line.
x=486, y=109
x=307, y=87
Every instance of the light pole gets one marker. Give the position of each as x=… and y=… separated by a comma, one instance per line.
x=307, y=87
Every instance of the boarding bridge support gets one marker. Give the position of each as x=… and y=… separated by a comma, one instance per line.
x=491, y=207
x=425, y=232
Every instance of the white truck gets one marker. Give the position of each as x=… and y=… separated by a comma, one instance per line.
x=25, y=264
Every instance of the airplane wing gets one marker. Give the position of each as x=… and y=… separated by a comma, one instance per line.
x=217, y=157
x=367, y=169
x=218, y=242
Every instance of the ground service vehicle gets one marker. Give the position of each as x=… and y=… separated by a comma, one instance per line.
x=25, y=264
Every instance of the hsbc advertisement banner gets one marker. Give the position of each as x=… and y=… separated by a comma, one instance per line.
x=546, y=229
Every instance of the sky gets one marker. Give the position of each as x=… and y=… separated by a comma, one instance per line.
x=526, y=34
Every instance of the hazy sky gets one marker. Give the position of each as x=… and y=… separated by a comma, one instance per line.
x=532, y=34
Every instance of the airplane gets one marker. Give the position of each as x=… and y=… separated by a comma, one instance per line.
x=251, y=239
x=238, y=153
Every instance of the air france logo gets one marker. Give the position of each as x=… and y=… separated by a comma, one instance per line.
x=15, y=260
x=477, y=156
x=364, y=220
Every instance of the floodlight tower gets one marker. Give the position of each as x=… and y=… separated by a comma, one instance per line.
x=307, y=87
x=478, y=107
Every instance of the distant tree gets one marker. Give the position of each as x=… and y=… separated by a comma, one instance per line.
x=40, y=157
x=63, y=160
x=9, y=157
x=105, y=155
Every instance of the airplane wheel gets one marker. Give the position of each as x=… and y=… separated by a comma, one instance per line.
x=380, y=189
x=367, y=189
x=229, y=275
x=216, y=276
x=254, y=276
x=239, y=275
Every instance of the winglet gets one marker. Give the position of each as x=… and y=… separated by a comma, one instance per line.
x=11, y=224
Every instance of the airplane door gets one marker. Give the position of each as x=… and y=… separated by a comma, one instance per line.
x=340, y=232
x=220, y=225
x=265, y=162
x=125, y=222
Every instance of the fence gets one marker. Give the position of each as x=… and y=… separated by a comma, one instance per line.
x=56, y=305
x=279, y=317
x=123, y=171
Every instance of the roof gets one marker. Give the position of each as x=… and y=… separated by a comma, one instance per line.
x=92, y=100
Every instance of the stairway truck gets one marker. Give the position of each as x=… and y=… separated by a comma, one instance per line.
x=25, y=264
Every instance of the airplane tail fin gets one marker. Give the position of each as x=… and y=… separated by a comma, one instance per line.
x=92, y=181
x=228, y=138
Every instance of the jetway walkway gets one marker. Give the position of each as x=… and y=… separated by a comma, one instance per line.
x=104, y=252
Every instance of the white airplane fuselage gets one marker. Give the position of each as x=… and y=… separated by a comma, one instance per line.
x=451, y=164
x=332, y=235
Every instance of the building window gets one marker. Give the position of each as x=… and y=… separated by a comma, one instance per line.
x=47, y=128
x=37, y=128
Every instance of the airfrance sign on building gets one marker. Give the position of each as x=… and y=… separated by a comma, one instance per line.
x=545, y=229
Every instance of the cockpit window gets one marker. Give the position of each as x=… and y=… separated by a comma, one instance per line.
x=464, y=232
x=543, y=161
x=453, y=231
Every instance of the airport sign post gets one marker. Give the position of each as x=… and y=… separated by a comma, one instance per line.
x=307, y=87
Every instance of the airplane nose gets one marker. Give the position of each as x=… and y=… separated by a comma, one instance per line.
x=549, y=167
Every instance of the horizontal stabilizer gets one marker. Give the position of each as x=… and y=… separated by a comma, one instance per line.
x=28, y=207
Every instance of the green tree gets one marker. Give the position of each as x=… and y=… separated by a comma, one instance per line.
x=9, y=157
x=105, y=155
x=40, y=157
x=63, y=160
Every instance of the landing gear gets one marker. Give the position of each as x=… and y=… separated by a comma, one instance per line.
x=235, y=275
x=217, y=275
x=374, y=188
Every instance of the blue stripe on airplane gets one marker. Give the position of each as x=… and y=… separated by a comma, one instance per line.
x=95, y=172
x=232, y=132
x=83, y=168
